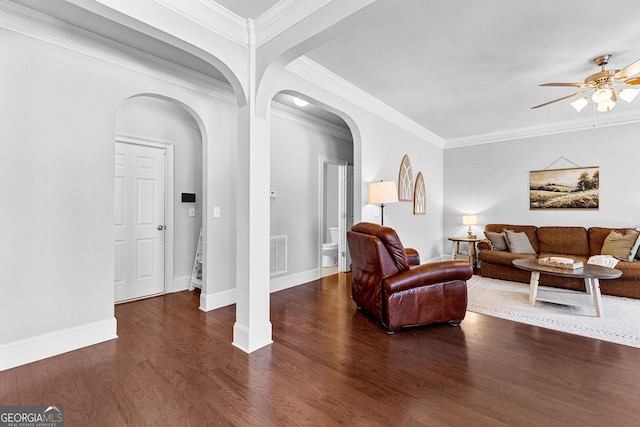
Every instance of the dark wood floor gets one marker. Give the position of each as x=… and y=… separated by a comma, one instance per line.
x=174, y=365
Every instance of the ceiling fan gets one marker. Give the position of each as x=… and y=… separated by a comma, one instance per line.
x=607, y=86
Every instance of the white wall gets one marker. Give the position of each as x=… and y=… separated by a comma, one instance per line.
x=492, y=180
x=381, y=158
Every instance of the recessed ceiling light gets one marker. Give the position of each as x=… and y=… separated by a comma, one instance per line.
x=299, y=102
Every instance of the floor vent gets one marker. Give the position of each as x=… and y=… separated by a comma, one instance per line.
x=278, y=254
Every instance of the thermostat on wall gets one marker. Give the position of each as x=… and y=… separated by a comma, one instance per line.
x=188, y=197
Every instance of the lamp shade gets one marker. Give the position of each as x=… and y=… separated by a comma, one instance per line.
x=469, y=219
x=383, y=192
x=606, y=106
x=628, y=94
x=580, y=103
x=602, y=95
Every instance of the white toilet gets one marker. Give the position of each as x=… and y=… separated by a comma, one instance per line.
x=330, y=250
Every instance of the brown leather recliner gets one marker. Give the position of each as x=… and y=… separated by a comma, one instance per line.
x=386, y=286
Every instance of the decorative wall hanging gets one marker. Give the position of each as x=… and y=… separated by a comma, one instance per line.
x=405, y=180
x=419, y=196
x=573, y=188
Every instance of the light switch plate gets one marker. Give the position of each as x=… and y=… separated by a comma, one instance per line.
x=216, y=211
x=192, y=211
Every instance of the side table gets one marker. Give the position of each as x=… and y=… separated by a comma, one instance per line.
x=455, y=250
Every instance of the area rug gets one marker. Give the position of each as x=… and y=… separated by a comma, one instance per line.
x=510, y=300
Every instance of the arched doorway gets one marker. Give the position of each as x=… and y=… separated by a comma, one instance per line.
x=158, y=157
x=311, y=158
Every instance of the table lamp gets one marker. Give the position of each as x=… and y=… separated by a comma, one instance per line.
x=470, y=220
x=383, y=192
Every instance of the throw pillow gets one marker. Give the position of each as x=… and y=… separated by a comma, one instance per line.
x=497, y=240
x=636, y=246
x=518, y=243
x=621, y=246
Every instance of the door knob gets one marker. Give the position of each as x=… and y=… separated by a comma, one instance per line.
x=161, y=227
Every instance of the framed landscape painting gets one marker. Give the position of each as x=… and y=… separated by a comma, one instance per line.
x=575, y=188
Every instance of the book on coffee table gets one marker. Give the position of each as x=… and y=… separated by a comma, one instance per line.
x=561, y=262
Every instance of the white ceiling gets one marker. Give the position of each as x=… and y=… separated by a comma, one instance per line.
x=465, y=68
x=247, y=8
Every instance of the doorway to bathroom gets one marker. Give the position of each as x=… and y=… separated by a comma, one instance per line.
x=336, y=214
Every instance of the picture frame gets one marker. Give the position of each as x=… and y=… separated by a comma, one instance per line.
x=405, y=180
x=570, y=188
x=419, y=196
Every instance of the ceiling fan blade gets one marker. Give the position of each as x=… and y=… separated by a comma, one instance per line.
x=634, y=81
x=565, y=84
x=628, y=71
x=560, y=99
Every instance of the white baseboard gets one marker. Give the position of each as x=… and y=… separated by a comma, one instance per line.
x=40, y=347
x=217, y=300
x=251, y=340
x=289, y=281
x=224, y=298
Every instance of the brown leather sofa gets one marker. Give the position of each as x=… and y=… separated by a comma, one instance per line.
x=387, y=287
x=578, y=243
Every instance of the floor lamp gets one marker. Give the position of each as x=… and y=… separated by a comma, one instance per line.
x=381, y=193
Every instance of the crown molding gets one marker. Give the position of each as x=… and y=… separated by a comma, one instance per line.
x=310, y=121
x=50, y=30
x=601, y=120
x=210, y=15
x=282, y=16
x=315, y=73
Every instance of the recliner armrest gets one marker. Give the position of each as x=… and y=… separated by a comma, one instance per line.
x=428, y=274
x=412, y=256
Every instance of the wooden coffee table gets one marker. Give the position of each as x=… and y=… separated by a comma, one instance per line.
x=590, y=273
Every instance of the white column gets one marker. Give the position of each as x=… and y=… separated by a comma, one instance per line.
x=252, y=329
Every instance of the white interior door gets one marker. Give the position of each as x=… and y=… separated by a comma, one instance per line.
x=342, y=219
x=349, y=202
x=139, y=221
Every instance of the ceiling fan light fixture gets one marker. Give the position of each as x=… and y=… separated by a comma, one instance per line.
x=605, y=106
x=629, y=94
x=602, y=95
x=602, y=87
x=580, y=103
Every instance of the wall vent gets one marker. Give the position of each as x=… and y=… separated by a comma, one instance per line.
x=278, y=254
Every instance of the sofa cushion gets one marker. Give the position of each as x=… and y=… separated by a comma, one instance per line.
x=498, y=243
x=529, y=230
x=597, y=236
x=502, y=257
x=621, y=246
x=630, y=270
x=563, y=240
x=518, y=243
